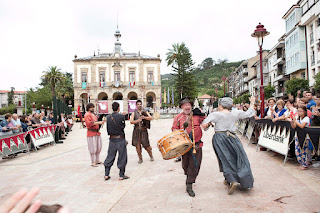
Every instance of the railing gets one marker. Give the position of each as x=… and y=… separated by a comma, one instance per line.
x=312, y=60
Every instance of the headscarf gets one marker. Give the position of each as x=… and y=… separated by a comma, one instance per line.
x=226, y=102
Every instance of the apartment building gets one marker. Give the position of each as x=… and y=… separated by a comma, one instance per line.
x=310, y=12
x=277, y=67
x=295, y=44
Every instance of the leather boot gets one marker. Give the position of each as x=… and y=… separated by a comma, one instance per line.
x=149, y=150
x=189, y=190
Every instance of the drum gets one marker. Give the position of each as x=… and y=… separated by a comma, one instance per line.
x=175, y=144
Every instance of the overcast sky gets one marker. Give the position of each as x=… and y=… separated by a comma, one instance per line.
x=36, y=34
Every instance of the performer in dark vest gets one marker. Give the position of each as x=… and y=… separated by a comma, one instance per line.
x=141, y=120
x=190, y=162
x=117, y=143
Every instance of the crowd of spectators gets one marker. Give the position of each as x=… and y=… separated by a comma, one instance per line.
x=301, y=111
x=14, y=124
x=287, y=109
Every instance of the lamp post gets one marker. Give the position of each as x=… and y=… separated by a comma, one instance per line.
x=259, y=34
x=224, y=85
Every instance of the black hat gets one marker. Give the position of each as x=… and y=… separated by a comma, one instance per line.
x=185, y=100
x=196, y=111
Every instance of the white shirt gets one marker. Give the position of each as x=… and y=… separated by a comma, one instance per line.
x=305, y=120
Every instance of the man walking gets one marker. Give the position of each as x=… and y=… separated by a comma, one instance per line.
x=141, y=120
x=117, y=143
x=93, y=135
x=190, y=162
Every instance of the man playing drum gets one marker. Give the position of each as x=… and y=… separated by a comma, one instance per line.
x=141, y=120
x=190, y=162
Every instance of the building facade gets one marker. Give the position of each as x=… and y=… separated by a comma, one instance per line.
x=295, y=44
x=277, y=68
x=117, y=76
x=310, y=10
x=256, y=80
x=243, y=79
x=19, y=96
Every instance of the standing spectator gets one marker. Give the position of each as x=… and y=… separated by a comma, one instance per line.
x=5, y=129
x=43, y=115
x=51, y=118
x=291, y=110
x=271, y=108
x=304, y=102
x=35, y=120
x=304, y=154
x=25, y=123
x=6, y=125
x=311, y=102
x=315, y=121
x=16, y=123
x=279, y=113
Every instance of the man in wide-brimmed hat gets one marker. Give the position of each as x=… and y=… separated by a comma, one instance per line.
x=190, y=162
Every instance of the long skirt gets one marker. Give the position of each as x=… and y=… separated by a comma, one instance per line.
x=233, y=160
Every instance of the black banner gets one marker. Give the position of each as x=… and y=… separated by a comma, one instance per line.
x=313, y=132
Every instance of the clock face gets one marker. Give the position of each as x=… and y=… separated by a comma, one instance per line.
x=117, y=55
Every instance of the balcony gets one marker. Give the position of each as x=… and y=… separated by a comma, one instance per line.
x=312, y=60
x=311, y=38
x=280, y=60
x=279, y=95
x=281, y=78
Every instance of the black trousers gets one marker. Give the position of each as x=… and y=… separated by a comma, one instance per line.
x=188, y=164
x=116, y=145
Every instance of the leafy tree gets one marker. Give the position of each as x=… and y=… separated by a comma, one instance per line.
x=39, y=96
x=9, y=109
x=317, y=81
x=295, y=84
x=180, y=59
x=268, y=91
x=52, y=76
x=10, y=96
x=65, y=87
x=245, y=98
x=207, y=63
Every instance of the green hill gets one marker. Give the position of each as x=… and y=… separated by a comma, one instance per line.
x=208, y=76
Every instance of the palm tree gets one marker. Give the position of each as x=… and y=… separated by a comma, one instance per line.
x=52, y=76
x=65, y=87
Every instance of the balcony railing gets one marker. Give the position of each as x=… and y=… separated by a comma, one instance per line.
x=312, y=60
x=311, y=38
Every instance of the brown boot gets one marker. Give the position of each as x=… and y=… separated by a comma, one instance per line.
x=232, y=188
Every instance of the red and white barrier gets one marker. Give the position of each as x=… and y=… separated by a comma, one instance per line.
x=42, y=135
x=13, y=144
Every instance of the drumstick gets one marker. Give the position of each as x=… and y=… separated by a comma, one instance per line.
x=194, y=140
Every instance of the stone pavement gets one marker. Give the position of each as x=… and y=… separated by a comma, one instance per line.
x=64, y=175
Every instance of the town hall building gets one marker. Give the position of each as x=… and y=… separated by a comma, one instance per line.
x=117, y=76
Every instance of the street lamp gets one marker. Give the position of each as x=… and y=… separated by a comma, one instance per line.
x=224, y=85
x=259, y=34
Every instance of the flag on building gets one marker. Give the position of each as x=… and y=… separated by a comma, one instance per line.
x=164, y=96
x=84, y=85
x=168, y=97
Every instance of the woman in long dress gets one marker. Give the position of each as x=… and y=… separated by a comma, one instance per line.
x=233, y=160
